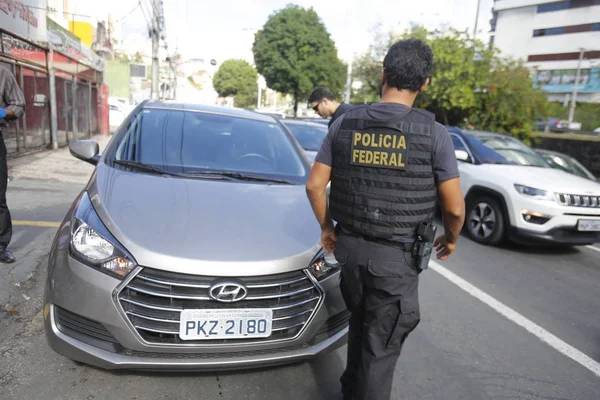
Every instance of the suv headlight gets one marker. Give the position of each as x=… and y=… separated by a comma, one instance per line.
x=93, y=245
x=533, y=192
x=323, y=265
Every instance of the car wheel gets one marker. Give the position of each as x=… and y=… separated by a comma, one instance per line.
x=485, y=221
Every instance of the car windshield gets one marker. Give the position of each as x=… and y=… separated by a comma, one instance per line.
x=495, y=149
x=188, y=142
x=567, y=164
x=310, y=137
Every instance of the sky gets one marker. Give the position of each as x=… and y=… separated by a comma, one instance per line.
x=225, y=29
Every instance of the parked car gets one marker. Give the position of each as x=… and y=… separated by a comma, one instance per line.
x=308, y=134
x=194, y=246
x=513, y=193
x=565, y=163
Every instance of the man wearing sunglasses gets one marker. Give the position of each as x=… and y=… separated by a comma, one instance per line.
x=323, y=103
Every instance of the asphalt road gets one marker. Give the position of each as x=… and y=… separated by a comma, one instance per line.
x=463, y=348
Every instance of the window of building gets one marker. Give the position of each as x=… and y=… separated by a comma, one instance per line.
x=565, y=5
x=566, y=29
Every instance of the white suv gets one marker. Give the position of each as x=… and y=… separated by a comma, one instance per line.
x=512, y=192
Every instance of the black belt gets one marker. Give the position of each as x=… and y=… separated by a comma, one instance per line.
x=407, y=246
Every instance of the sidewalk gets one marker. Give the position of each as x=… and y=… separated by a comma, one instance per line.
x=54, y=165
x=40, y=190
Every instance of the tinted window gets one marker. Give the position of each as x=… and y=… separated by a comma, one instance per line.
x=494, y=149
x=458, y=144
x=309, y=137
x=179, y=141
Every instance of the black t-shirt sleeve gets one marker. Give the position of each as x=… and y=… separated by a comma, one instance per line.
x=444, y=158
x=325, y=154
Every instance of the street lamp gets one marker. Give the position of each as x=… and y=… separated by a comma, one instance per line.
x=576, y=86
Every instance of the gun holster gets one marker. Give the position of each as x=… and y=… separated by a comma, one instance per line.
x=423, y=245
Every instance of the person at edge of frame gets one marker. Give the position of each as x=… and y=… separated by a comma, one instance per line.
x=12, y=107
x=389, y=165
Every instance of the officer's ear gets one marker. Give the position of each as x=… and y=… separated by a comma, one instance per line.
x=424, y=85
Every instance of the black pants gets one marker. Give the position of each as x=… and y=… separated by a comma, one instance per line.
x=5, y=219
x=379, y=283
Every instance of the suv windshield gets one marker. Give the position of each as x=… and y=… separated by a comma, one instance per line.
x=496, y=149
x=309, y=137
x=188, y=142
x=567, y=164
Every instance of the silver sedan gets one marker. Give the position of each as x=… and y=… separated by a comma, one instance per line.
x=193, y=246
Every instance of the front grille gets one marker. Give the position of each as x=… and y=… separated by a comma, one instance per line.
x=574, y=200
x=154, y=299
x=335, y=322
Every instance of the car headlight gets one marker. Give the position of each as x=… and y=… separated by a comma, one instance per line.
x=533, y=192
x=92, y=244
x=323, y=265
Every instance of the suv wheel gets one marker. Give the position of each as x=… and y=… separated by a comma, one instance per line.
x=485, y=220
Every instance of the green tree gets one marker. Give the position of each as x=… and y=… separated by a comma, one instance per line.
x=295, y=53
x=238, y=79
x=511, y=103
x=470, y=82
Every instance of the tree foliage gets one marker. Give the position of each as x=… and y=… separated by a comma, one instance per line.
x=470, y=83
x=238, y=79
x=294, y=52
x=510, y=102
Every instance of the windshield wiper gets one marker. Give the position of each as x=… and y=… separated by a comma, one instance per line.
x=142, y=166
x=238, y=175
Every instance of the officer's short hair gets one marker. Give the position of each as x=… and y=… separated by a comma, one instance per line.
x=319, y=94
x=408, y=64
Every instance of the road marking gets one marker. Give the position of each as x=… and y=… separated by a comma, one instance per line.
x=593, y=248
x=519, y=319
x=42, y=224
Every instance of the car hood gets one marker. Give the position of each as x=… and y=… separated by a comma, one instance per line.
x=550, y=179
x=197, y=225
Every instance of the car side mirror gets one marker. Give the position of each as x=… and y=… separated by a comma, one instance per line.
x=461, y=155
x=86, y=150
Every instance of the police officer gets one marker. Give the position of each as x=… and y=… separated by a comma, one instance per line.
x=12, y=104
x=389, y=165
x=323, y=103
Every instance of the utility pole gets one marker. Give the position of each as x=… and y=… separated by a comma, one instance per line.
x=349, y=80
x=155, y=48
x=575, y=87
x=476, y=19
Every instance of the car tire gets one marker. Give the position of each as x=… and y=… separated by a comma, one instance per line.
x=485, y=220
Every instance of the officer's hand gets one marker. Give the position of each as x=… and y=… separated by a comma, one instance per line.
x=328, y=239
x=443, y=247
x=3, y=113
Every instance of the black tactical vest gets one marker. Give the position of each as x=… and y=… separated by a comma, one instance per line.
x=382, y=182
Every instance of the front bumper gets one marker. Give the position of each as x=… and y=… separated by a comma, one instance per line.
x=550, y=222
x=561, y=236
x=85, y=321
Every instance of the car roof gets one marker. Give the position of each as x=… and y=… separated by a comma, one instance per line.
x=544, y=151
x=228, y=111
x=300, y=122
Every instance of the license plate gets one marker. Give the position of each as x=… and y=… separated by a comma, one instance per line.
x=225, y=324
x=588, y=225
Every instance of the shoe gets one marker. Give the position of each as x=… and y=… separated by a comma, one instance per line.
x=6, y=256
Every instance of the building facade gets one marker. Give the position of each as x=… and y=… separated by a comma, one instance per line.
x=551, y=36
x=61, y=77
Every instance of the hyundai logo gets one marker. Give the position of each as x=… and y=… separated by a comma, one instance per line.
x=228, y=292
